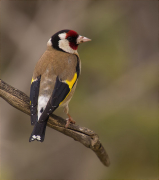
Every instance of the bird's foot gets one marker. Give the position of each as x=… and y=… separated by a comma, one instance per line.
x=69, y=120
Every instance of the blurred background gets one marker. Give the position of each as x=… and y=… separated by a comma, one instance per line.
x=116, y=94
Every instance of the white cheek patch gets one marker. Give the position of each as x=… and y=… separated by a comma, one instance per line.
x=42, y=102
x=62, y=36
x=64, y=45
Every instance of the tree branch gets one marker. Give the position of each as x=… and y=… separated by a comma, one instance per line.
x=85, y=136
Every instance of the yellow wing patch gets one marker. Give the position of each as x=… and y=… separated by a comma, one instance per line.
x=32, y=80
x=71, y=83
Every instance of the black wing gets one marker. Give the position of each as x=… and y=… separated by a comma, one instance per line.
x=61, y=90
x=34, y=93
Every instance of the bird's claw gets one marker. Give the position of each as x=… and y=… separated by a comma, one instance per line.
x=69, y=120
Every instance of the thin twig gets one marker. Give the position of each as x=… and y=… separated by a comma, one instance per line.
x=87, y=137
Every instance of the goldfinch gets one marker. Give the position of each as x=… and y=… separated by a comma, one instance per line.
x=54, y=80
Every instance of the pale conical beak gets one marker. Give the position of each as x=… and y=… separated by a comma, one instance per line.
x=82, y=39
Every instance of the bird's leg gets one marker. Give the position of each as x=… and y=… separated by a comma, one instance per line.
x=69, y=119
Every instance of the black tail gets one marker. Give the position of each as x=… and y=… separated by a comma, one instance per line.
x=38, y=132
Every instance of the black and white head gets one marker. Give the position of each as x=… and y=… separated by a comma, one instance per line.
x=67, y=41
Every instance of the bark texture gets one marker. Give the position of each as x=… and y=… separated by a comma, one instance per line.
x=87, y=137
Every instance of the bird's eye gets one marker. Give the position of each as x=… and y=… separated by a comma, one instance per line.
x=69, y=38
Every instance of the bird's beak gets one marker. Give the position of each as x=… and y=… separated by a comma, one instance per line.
x=82, y=39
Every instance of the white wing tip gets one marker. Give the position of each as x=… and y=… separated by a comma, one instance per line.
x=36, y=137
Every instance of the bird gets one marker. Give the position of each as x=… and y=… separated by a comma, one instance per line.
x=54, y=80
